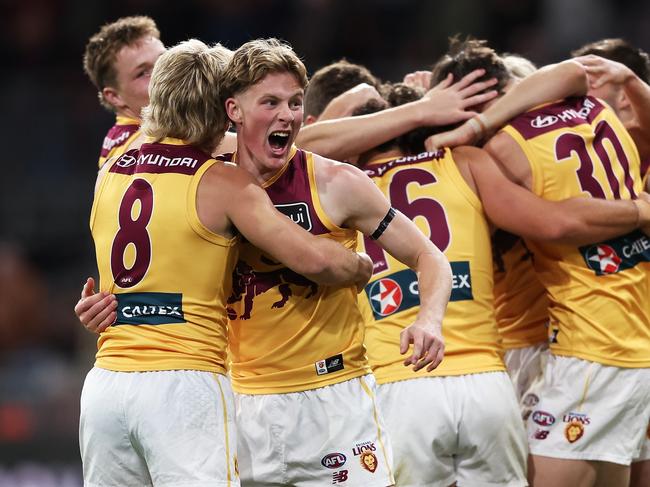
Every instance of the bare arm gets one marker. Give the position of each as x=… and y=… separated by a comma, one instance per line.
x=351, y=198
x=229, y=194
x=350, y=136
x=344, y=104
x=574, y=221
x=602, y=71
x=547, y=84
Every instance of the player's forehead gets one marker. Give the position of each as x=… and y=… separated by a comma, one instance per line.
x=281, y=84
x=143, y=51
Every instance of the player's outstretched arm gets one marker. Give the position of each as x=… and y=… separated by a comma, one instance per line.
x=574, y=221
x=228, y=194
x=348, y=195
x=547, y=84
x=444, y=104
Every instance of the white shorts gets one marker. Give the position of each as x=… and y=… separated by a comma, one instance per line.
x=167, y=428
x=644, y=454
x=464, y=429
x=590, y=411
x=526, y=369
x=331, y=435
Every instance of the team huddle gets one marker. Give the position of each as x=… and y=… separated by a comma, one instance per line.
x=441, y=281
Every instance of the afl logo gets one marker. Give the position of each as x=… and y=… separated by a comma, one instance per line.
x=333, y=460
x=540, y=122
x=603, y=258
x=385, y=296
x=543, y=418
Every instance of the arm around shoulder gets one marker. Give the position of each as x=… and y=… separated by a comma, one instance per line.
x=229, y=197
x=574, y=221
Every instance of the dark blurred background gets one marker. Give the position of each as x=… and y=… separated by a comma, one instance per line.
x=52, y=127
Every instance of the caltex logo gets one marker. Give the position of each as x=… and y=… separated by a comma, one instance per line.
x=385, y=296
x=603, y=258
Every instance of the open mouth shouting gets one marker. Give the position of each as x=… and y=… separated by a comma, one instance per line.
x=279, y=141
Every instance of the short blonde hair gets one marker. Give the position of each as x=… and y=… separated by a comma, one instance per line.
x=184, y=95
x=102, y=48
x=519, y=66
x=255, y=59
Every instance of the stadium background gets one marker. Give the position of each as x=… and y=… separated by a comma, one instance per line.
x=52, y=127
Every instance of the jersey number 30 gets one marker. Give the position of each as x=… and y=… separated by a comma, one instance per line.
x=133, y=232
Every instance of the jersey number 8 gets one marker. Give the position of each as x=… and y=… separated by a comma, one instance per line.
x=133, y=231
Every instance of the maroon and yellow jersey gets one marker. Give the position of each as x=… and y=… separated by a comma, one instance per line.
x=429, y=189
x=520, y=299
x=598, y=293
x=119, y=138
x=287, y=333
x=171, y=275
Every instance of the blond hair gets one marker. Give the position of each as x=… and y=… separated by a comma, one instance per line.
x=184, y=95
x=519, y=66
x=255, y=59
x=102, y=48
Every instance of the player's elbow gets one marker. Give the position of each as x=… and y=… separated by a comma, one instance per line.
x=562, y=231
x=576, y=73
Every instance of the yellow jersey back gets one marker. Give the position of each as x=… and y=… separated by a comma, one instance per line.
x=598, y=293
x=170, y=274
x=429, y=189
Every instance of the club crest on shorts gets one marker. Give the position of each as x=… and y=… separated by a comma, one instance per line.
x=368, y=461
x=573, y=431
x=385, y=296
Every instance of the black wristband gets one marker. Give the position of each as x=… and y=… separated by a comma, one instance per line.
x=383, y=225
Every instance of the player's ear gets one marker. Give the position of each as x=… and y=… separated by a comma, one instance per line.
x=309, y=119
x=233, y=110
x=623, y=102
x=113, y=97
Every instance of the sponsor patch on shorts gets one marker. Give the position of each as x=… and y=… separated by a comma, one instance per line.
x=339, y=477
x=330, y=364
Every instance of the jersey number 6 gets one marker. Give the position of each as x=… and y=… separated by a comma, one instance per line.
x=425, y=207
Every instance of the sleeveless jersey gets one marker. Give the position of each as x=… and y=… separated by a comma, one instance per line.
x=287, y=333
x=118, y=138
x=520, y=300
x=598, y=293
x=429, y=189
x=170, y=274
